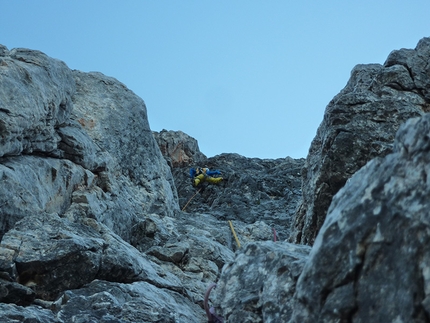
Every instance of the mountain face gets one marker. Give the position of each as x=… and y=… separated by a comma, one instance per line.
x=360, y=124
x=100, y=222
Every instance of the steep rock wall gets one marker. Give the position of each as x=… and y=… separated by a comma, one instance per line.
x=359, y=124
x=71, y=141
x=370, y=261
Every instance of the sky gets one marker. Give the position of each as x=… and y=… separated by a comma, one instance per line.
x=240, y=76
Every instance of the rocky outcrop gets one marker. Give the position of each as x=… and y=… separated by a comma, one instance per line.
x=139, y=302
x=87, y=197
x=359, y=124
x=96, y=227
x=254, y=189
x=51, y=254
x=259, y=285
x=370, y=261
x=90, y=218
x=71, y=141
x=178, y=148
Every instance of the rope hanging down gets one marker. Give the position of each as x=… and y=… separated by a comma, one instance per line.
x=183, y=209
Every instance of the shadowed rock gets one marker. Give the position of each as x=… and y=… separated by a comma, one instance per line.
x=359, y=124
x=370, y=261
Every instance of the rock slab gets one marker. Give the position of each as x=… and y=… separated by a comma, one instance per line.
x=360, y=124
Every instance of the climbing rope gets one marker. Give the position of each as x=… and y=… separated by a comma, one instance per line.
x=234, y=233
x=183, y=209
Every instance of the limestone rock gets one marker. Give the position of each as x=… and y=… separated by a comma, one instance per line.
x=116, y=120
x=31, y=111
x=12, y=313
x=254, y=190
x=34, y=185
x=258, y=286
x=178, y=148
x=192, y=247
x=92, y=229
x=370, y=261
x=50, y=254
x=140, y=302
x=77, y=144
x=359, y=124
x=12, y=292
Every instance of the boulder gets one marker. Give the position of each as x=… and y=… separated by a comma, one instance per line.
x=50, y=254
x=179, y=149
x=370, y=261
x=360, y=124
x=139, y=302
x=258, y=286
x=12, y=313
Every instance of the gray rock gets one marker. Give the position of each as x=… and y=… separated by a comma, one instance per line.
x=92, y=231
x=34, y=185
x=103, y=301
x=50, y=254
x=359, y=124
x=136, y=179
x=254, y=190
x=12, y=313
x=3, y=50
x=30, y=111
x=370, y=260
x=258, y=286
x=98, y=134
x=192, y=247
x=12, y=292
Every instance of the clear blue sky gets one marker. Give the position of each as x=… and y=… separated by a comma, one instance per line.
x=250, y=77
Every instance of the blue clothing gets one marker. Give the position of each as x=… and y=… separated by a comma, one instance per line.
x=213, y=172
x=193, y=172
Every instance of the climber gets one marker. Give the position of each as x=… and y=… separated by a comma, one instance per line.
x=199, y=175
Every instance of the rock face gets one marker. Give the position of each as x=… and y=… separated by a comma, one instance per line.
x=81, y=176
x=370, y=261
x=254, y=189
x=96, y=227
x=66, y=147
x=359, y=124
x=179, y=149
x=259, y=285
x=91, y=228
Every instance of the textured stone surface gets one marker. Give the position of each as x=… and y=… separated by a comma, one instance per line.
x=370, y=261
x=259, y=285
x=139, y=302
x=12, y=313
x=192, y=247
x=254, y=190
x=116, y=120
x=178, y=148
x=65, y=133
x=92, y=230
x=30, y=111
x=359, y=124
x=34, y=185
x=12, y=292
x=50, y=254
